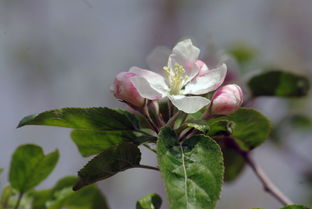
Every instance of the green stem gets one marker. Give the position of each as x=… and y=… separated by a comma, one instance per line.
x=143, y=132
x=20, y=196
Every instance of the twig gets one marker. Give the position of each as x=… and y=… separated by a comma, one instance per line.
x=268, y=185
x=148, y=167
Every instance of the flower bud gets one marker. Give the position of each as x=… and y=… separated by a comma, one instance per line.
x=125, y=90
x=227, y=99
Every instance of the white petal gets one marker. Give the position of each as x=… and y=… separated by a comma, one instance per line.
x=208, y=82
x=186, y=50
x=189, y=104
x=155, y=80
x=185, y=54
x=158, y=58
x=145, y=89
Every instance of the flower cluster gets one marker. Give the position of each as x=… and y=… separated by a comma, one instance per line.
x=186, y=82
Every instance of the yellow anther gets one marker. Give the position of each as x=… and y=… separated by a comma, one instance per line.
x=176, y=78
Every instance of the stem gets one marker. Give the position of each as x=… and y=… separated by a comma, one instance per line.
x=268, y=185
x=170, y=109
x=150, y=148
x=20, y=195
x=172, y=120
x=184, y=117
x=148, y=167
x=186, y=134
x=143, y=132
x=146, y=115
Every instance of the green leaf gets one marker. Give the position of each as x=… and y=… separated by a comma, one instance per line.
x=62, y=196
x=87, y=198
x=234, y=163
x=29, y=166
x=198, y=125
x=91, y=142
x=242, y=53
x=279, y=83
x=224, y=127
x=95, y=118
x=295, y=207
x=251, y=127
x=7, y=192
x=111, y=161
x=40, y=198
x=149, y=201
x=192, y=171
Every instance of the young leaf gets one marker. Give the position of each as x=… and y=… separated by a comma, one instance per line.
x=95, y=118
x=192, y=171
x=7, y=192
x=251, y=127
x=111, y=161
x=242, y=53
x=62, y=196
x=199, y=125
x=279, y=83
x=29, y=166
x=149, y=201
x=91, y=142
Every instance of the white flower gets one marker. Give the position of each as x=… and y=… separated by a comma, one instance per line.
x=182, y=79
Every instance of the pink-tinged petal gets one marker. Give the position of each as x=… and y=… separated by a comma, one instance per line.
x=145, y=88
x=188, y=104
x=155, y=80
x=158, y=58
x=185, y=54
x=124, y=89
x=208, y=82
x=203, y=69
x=186, y=51
x=227, y=99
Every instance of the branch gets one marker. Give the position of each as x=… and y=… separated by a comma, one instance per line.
x=268, y=185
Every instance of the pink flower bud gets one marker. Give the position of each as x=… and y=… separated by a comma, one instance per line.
x=227, y=99
x=125, y=90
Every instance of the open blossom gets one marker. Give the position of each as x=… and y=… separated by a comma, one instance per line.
x=227, y=99
x=186, y=76
x=124, y=89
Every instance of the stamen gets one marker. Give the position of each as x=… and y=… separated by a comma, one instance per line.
x=176, y=78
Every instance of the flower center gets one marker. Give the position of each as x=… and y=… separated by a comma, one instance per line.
x=176, y=77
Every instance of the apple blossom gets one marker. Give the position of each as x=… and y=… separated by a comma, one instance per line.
x=185, y=77
x=227, y=99
x=124, y=89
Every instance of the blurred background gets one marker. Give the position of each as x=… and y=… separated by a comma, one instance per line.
x=66, y=53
